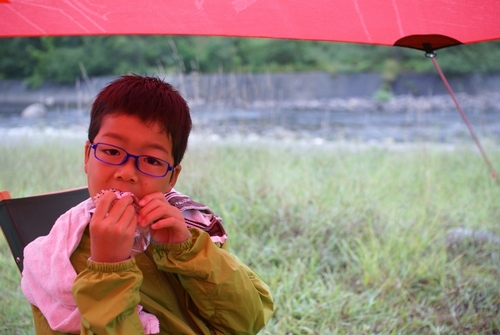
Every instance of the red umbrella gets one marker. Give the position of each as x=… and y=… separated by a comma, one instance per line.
x=391, y=22
x=421, y=24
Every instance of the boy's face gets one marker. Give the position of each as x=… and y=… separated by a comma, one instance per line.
x=137, y=138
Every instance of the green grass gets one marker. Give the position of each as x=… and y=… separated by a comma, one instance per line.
x=350, y=241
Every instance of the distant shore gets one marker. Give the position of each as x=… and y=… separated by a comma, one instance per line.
x=286, y=91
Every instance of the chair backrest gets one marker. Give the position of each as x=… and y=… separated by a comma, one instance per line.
x=24, y=219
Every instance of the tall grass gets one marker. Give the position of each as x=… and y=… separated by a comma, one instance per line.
x=351, y=240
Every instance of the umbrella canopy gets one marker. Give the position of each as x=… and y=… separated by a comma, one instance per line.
x=422, y=24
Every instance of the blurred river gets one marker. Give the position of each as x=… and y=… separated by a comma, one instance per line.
x=445, y=126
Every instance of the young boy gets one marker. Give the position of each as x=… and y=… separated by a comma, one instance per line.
x=84, y=277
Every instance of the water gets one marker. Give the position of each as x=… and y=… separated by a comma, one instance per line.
x=411, y=126
x=69, y=125
x=57, y=118
x=439, y=126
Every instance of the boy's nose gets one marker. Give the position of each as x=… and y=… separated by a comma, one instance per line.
x=128, y=171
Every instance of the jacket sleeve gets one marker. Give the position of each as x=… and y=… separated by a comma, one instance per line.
x=229, y=296
x=107, y=295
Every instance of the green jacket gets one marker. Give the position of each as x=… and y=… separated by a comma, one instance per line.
x=192, y=288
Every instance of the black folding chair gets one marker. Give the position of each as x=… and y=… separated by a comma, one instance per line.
x=24, y=219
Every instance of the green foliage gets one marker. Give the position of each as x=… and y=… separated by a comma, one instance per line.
x=15, y=312
x=383, y=94
x=481, y=57
x=15, y=59
x=390, y=70
x=62, y=59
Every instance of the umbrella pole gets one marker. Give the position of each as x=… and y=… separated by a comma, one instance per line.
x=432, y=56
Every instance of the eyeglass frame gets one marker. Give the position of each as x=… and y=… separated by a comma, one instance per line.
x=129, y=155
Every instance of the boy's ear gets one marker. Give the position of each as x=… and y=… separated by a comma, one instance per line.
x=175, y=175
x=87, y=155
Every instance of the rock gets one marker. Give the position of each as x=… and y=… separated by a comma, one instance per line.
x=34, y=110
x=463, y=235
x=49, y=101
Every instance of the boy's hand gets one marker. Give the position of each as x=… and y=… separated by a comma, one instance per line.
x=168, y=225
x=112, y=229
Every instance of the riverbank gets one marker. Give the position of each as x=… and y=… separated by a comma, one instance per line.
x=300, y=112
x=288, y=91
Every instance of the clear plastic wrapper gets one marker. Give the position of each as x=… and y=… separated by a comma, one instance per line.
x=142, y=239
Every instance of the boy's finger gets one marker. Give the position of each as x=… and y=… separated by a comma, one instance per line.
x=148, y=198
x=109, y=205
x=129, y=217
x=155, y=210
x=119, y=205
x=104, y=204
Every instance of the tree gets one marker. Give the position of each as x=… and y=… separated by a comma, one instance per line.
x=61, y=59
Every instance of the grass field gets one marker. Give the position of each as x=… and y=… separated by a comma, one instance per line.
x=351, y=239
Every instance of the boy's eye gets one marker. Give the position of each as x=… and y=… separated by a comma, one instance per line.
x=152, y=160
x=111, y=152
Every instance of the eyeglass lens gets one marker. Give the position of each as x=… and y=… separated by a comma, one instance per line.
x=114, y=155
